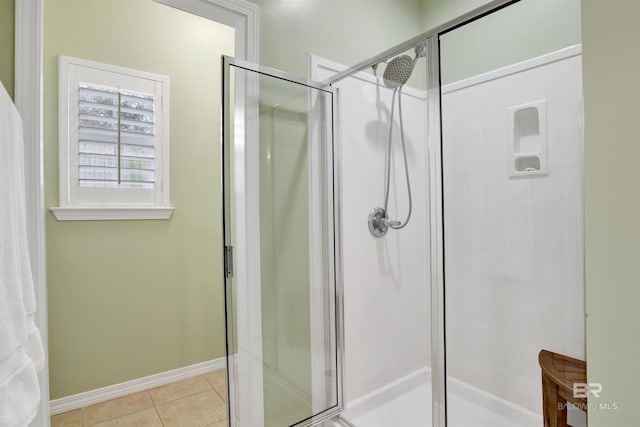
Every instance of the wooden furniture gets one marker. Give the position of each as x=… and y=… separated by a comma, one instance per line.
x=559, y=374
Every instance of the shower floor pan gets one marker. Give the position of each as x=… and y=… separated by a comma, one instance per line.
x=467, y=407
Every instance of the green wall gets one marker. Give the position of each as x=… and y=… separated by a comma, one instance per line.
x=7, y=28
x=612, y=207
x=521, y=31
x=132, y=298
x=343, y=31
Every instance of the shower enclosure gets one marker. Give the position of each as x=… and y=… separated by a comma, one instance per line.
x=404, y=236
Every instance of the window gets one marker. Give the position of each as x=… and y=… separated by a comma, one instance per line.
x=113, y=142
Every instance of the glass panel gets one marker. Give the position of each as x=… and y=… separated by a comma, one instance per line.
x=387, y=321
x=513, y=213
x=137, y=115
x=279, y=218
x=91, y=108
x=137, y=163
x=137, y=151
x=98, y=160
x=136, y=127
x=90, y=121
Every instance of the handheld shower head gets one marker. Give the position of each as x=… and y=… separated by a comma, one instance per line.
x=396, y=74
x=398, y=71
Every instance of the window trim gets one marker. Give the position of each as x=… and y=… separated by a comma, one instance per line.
x=70, y=207
x=97, y=213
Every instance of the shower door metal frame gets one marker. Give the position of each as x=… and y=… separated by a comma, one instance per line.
x=334, y=249
x=436, y=189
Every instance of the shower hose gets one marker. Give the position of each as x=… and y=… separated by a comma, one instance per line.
x=397, y=225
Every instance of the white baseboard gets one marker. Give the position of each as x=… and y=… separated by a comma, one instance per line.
x=80, y=400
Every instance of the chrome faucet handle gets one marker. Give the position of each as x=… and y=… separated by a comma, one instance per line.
x=392, y=223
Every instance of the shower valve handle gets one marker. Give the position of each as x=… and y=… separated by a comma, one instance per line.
x=379, y=224
x=391, y=223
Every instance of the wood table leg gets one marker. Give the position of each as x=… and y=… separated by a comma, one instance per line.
x=554, y=406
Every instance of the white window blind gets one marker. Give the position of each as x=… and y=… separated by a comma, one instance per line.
x=116, y=137
x=113, y=141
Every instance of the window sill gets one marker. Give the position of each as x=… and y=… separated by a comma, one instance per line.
x=106, y=213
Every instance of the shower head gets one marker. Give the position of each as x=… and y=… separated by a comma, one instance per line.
x=398, y=71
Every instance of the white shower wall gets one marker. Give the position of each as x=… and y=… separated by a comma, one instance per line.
x=513, y=245
x=386, y=280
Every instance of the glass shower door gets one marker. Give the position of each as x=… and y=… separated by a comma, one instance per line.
x=513, y=212
x=282, y=320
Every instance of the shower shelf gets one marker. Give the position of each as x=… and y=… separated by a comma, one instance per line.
x=527, y=145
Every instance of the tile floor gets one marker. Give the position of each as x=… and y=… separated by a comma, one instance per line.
x=194, y=402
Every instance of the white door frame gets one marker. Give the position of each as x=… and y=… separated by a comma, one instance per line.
x=238, y=14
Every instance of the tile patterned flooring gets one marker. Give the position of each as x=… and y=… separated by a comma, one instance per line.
x=195, y=402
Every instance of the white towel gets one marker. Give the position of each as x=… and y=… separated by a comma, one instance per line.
x=21, y=352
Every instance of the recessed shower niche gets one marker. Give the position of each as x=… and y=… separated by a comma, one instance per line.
x=528, y=139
